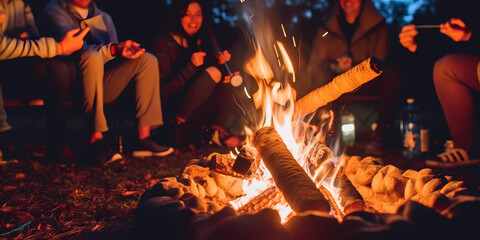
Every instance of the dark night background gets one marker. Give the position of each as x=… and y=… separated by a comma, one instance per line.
x=141, y=20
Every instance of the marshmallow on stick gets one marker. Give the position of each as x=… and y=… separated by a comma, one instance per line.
x=344, y=83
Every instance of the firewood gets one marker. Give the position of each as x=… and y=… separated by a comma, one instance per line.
x=246, y=162
x=267, y=199
x=348, y=197
x=298, y=189
x=344, y=83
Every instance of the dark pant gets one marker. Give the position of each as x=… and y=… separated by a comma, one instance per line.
x=50, y=79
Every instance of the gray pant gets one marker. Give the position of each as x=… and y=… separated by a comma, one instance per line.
x=103, y=83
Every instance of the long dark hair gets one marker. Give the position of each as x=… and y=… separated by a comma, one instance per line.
x=178, y=11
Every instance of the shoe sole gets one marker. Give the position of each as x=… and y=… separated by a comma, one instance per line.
x=433, y=163
x=115, y=157
x=152, y=154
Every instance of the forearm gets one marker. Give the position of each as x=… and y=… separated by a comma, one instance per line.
x=14, y=48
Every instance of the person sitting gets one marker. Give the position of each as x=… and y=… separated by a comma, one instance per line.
x=354, y=32
x=107, y=66
x=454, y=78
x=190, y=77
x=25, y=55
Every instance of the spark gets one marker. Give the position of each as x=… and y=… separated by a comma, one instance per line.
x=279, y=63
x=252, y=16
x=236, y=150
x=242, y=1
x=232, y=155
x=245, y=88
x=276, y=52
x=325, y=34
x=293, y=39
x=284, y=33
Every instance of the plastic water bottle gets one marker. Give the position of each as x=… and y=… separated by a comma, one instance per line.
x=414, y=135
x=348, y=128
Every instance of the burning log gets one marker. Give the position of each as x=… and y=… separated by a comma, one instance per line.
x=298, y=189
x=243, y=166
x=346, y=82
x=267, y=199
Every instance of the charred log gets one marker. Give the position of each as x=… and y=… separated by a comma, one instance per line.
x=298, y=189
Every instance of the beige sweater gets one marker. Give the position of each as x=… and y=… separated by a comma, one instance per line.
x=19, y=18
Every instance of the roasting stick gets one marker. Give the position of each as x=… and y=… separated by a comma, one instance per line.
x=426, y=26
x=344, y=83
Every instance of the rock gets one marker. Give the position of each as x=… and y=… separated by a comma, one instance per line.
x=198, y=173
x=201, y=191
x=427, y=222
x=432, y=186
x=264, y=225
x=362, y=225
x=175, y=193
x=311, y=225
x=223, y=181
x=162, y=218
x=409, y=189
x=451, y=186
x=221, y=197
x=236, y=189
x=156, y=190
x=193, y=202
x=210, y=187
x=364, y=175
x=190, y=185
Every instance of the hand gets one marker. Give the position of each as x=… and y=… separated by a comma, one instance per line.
x=456, y=29
x=407, y=37
x=228, y=77
x=128, y=49
x=2, y=17
x=198, y=58
x=344, y=63
x=223, y=57
x=23, y=36
x=72, y=41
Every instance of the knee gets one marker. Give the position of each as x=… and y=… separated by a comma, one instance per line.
x=91, y=57
x=442, y=66
x=148, y=60
x=214, y=73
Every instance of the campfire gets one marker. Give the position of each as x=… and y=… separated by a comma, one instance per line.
x=286, y=174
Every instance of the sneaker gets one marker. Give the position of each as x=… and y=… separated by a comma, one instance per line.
x=455, y=157
x=149, y=148
x=103, y=153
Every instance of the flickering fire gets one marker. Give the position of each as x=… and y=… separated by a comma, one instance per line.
x=275, y=99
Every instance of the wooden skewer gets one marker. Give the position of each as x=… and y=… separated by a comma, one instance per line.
x=426, y=26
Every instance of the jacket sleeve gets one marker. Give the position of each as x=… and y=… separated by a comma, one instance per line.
x=170, y=82
x=58, y=22
x=14, y=48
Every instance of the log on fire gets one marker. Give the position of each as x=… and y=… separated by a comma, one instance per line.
x=298, y=189
x=344, y=83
